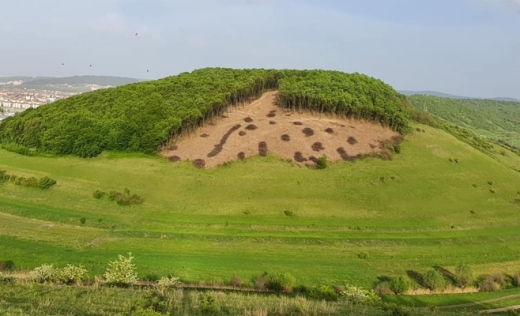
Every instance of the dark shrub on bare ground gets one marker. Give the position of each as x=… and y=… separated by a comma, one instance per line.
x=351, y=140
x=297, y=123
x=241, y=155
x=251, y=127
x=204, y=135
x=313, y=159
x=317, y=146
x=286, y=137
x=298, y=157
x=242, y=133
x=262, y=149
x=272, y=113
x=308, y=131
x=215, y=151
x=199, y=163
x=329, y=130
x=174, y=158
x=272, y=122
x=248, y=120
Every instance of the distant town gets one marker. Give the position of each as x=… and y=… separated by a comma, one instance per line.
x=20, y=93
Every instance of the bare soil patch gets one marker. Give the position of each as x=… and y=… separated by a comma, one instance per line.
x=222, y=141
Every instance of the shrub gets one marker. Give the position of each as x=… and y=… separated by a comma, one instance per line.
x=152, y=304
x=492, y=191
x=121, y=272
x=281, y=282
x=475, y=185
x=463, y=275
x=392, y=309
x=490, y=182
x=208, y=304
x=434, y=280
x=323, y=293
x=72, y=274
x=236, y=282
x=168, y=281
x=322, y=162
x=288, y=213
x=83, y=220
x=383, y=288
x=98, y=194
x=362, y=255
x=492, y=283
x=400, y=284
x=7, y=265
x=44, y=273
x=516, y=279
x=45, y=183
x=357, y=296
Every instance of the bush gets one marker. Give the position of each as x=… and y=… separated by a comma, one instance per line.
x=288, y=213
x=7, y=265
x=44, y=273
x=516, y=279
x=392, y=309
x=323, y=293
x=83, y=220
x=281, y=282
x=383, y=288
x=72, y=274
x=434, y=280
x=121, y=272
x=98, y=194
x=45, y=183
x=492, y=283
x=400, y=285
x=356, y=296
x=322, y=162
x=261, y=281
x=236, y=282
x=463, y=275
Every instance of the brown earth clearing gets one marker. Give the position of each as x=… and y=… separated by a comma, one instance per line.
x=280, y=132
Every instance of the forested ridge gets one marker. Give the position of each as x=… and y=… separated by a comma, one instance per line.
x=499, y=120
x=143, y=116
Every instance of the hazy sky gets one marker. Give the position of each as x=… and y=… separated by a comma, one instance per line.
x=465, y=47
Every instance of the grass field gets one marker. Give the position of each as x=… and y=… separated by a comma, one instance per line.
x=411, y=213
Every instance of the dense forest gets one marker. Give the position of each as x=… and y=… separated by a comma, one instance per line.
x=498, y=120
x=143, y=116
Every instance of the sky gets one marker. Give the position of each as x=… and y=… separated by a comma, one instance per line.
x=462, y=47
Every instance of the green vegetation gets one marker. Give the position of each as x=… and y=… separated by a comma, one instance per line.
x=194, y=221
x=43, y=183
x=497, y=120
x=142, y=117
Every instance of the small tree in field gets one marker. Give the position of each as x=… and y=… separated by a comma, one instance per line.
x=463, y=275
x=121, y=272
x=434, y=280
x=400, y=285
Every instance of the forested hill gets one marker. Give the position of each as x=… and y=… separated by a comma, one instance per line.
x=499, y=120
x=143, y=116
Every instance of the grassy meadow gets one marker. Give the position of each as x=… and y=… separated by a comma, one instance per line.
x=353, y=221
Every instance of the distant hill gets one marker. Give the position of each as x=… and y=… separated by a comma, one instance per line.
x=99, y=80
x=72, y=84
x=495, y=119
x=451, y=96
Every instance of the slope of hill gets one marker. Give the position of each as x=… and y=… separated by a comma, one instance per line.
x=498, y=120
x=141, y=117
x=75, y=80
x=451, y=96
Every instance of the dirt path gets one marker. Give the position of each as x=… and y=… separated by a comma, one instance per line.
x=261, y=127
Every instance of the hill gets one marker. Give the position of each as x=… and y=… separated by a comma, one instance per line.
x=451, y=96
x=498, y=120
x=142, y=117
x=68, y=84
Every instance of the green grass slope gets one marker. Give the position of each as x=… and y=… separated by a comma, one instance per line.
x=498, y=120
x=143, y=116
x=410, y=213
